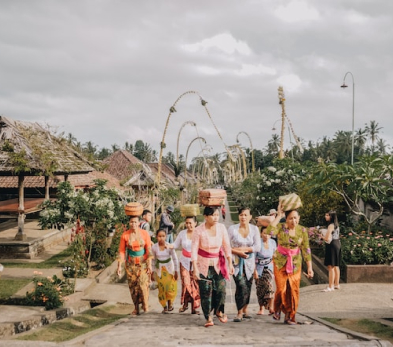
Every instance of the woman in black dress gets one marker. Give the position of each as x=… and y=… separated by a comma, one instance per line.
x=332, y=251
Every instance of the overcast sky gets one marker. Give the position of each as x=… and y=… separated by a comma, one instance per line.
x=108, y=71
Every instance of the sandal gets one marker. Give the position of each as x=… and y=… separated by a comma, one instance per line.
x=290, y=322
x=209, y=324
x=237, y=319
x=170, y=308
x=183, y=308
x=165, y=310
x=223, y=318
x=195, y=312
x=246, y=315
x=277, y=315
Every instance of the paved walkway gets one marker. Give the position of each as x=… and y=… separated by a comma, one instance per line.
x=359, y=300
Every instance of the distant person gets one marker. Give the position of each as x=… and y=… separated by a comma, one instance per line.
x=223, y=212
x=245, y=241
x=165, y=271
x=145, y=222
x=332, y=251
x=167, y=224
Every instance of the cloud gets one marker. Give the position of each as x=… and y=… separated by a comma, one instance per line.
x=249, y=69
x=223, y=42
x=297, y=11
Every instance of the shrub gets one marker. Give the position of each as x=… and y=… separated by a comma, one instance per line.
x=48, y=292
x=367, y=248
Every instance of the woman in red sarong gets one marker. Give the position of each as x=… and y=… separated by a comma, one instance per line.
x=293, y=243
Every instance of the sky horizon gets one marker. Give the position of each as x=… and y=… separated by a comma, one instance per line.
x=109, y=71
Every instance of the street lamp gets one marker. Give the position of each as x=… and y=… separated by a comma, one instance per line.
x=353, y=110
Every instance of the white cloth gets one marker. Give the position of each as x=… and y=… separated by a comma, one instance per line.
x=252, y=240
x=182, y=241
x=171, y=266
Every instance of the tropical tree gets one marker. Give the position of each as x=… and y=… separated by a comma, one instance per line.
x=368, y=181
x=273, y=146
x=372, y=131
x=343, y=143
x=360, y=141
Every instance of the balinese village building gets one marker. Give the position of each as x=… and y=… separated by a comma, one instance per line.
x=31, y=155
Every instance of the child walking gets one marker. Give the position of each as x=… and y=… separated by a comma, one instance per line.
x=165, y=271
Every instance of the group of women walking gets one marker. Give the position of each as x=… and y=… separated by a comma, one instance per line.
x=210, y=254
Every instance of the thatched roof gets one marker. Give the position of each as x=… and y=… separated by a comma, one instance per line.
x=167, y=172
x=128, y=169
x=28, y=148
x=78, y=181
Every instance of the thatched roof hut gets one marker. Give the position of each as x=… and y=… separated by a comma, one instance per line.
x=28, y=149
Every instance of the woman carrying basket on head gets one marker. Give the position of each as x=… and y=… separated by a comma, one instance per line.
x=209, y=248
x=135, y=252
x=293, y=243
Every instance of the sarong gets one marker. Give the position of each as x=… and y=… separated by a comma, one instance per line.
x=190, y=289
x=138, y=283
x=243, y=290
x=212, y=292
x=265, y=288
x=286, y=298
x=167, y=287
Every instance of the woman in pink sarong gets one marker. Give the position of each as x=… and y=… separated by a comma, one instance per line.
x=209, y=248
x=190, y=288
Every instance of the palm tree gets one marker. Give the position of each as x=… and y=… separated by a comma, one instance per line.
x=273, y=145
x=360, y=140
x=343, y=141
x=372, y=132
x=71, y=139
x=382, y=146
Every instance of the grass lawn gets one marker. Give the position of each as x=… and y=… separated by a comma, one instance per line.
x=51, y=262
x=365, y=326
x=72, y=327
x=9, y=286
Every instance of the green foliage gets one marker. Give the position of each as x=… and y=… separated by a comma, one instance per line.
x=367, y=181
x=260, y=191
x=19, y=161
x=7, y=146
x=374, y=247
x=93, y=213
x=48, y=292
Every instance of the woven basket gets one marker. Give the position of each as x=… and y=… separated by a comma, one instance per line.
x=190, y=210
x=264, y=221
x=290, y=202
x=212, y=197
x=133, y=209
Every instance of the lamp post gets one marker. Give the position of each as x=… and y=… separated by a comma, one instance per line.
x=353, y=110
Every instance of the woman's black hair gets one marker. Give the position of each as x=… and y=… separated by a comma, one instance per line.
x=159, y=231
x=209, y=210
x=287, y=213
x=333, y=218
x=243, y=208
x=193, y=217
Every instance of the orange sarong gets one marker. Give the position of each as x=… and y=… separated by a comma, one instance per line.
x=286, y=298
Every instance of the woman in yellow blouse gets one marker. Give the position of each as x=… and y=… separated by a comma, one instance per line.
x=293, y=243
